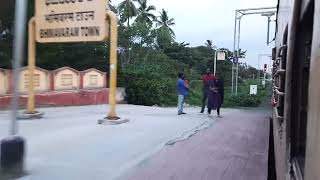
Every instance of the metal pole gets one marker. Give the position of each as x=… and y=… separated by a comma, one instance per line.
x=234, y=50
x=259, y=58
x=263, y=8
x=237, y=76
x=232, y=78
x=31, y=65
x=215, y=63
x=238, y=54
x=244, y=12
x=19, y=32
x=113, y=64
x=270, y=65
x=264, y=79
x=268, y=36
x=258, y=12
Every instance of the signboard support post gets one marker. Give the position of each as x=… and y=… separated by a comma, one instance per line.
x=112, y=117
x=113, y=65
x=30, y=112
x=31, y=65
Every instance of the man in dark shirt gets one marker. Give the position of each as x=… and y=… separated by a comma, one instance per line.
x=205, y=79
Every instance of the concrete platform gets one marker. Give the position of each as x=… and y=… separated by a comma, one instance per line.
x=67, y=143
x=156, y=144
x=235, y=148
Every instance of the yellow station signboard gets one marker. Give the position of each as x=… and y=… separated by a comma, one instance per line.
x=70, y=20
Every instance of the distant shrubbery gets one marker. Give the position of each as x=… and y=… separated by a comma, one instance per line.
x=153, y=81
x=144, y=91
x=242, y=100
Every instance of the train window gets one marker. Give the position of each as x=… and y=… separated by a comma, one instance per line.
x=300, y=91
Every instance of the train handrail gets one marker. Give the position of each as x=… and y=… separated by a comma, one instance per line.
x=283, y=47
x=280, y=118
x=279, y=72
x=276, y=87
x=279, y=92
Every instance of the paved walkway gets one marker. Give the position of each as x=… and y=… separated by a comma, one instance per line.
x=69, y=144
x=235, y=148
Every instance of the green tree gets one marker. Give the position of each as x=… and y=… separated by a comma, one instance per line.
x=163, y=38
x=127, y=10
x=144, y=13
x=165, y=23
x=133, y=39
x=6, y=33
x=209, y=44
x=144, y=35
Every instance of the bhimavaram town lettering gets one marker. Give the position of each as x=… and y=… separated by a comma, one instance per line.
x=84, y=31
x=70, y=17
x=54, y=2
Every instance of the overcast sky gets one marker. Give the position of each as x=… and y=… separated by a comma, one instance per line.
x=199, y=20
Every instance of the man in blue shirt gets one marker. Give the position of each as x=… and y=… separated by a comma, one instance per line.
x=182, y=92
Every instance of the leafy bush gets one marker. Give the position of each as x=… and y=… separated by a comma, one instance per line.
x=151, y=82
x=141, y=90
x=195, y=92
x=150, y=78
x=242, y=101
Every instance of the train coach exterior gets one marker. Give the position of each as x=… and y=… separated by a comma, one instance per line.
x=296, y=90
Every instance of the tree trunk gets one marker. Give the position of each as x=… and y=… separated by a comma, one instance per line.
x=128, y=23
x=146, y=58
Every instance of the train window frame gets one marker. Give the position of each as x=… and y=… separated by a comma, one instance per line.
x=301, y=73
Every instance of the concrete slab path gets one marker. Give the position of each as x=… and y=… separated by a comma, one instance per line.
x=235, y=148
x=69, y=144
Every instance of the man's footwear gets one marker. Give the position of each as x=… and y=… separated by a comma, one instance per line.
x=219, y=116
x=183, y=113
x=201, y=112
x=179, y=113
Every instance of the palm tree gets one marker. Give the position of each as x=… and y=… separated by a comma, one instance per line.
x=209, y=44
x=144, y=14
x=127, y=10
x=184, y=44
x=165, y=22
x=163, y=38
x=242, y=54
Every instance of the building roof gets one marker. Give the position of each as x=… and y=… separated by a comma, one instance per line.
x=93, y=69
x=37, y=68
x=64, y=68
